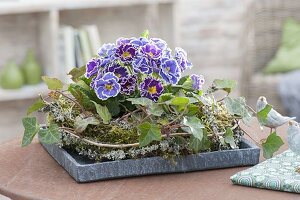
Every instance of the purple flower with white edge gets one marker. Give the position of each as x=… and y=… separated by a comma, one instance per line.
x=197, y=81
x=139, y=42
x=92, y=67
x=124, y=40
x=159, y=43
x=142, y=64
x=107, y=86
x=170, y=71
x=107, y=50
x=181, y=58
x=128, y=84
x=151, y=88
x=126, y=52
x=118, y=70
x=152, y=51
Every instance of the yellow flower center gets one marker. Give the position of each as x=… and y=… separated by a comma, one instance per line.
x=151, y=54
x=167, y=69
x=152, y=90
x=108, y=87
x=118, y=75
x=126, y=54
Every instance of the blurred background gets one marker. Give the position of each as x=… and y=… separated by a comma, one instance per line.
x=251, y=41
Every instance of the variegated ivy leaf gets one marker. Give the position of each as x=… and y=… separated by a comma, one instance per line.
x=50, y=135
x=80, y=123
x=194, y=126
x=271, y=145
x=148, y=133
x=140, y=101
x=31, y=129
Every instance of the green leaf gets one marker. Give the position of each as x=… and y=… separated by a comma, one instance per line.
x=51, y=135
x=263, y=114
x=80, y=123
x=199, y=145
x=271, y=145
x=145, y=34
x=229, y=139
x=188, y=84
x=155, y=110
x=38, y=104
x=238, y=107
x=226, y=85
x=113, y=106
x=83, y=96
x=165, y=97
x=141, y=101
x=148, y=133
x=31, y=128
x=192, y=110
x=180, y=101
x=103, y=112
x=76, y=73
x=195, y=126
x=52, y=83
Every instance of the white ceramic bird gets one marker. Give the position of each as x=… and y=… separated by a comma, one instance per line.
x=274, y=119
x=294, y=136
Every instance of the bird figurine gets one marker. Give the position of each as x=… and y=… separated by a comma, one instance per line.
x=274, y=119
x=293, y=133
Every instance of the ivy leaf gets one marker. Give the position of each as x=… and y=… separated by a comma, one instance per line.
x=148, y=133
x=31, y=128
x=76, y=73
x=51, y=135
x=52, y=83
x=180, y=101
x=195, y=126
x=155, y=110
x=229, y=139
x=238, y=107
x=226, y=85
x=140, y=101
x=38, y=104
x=145, y=34
x=263, y=114
x=80, y=124
x=103, y=112
x=271, y=145
x=199, y=145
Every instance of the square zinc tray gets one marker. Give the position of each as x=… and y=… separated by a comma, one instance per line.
x=85, y=170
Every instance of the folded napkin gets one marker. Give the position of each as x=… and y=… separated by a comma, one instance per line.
x=277, y=173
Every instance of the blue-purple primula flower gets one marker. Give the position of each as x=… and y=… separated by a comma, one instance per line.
x=152, y=51
x=181, y=58
x=151, y=88
x=128, y=84
x=107, y=50
x=170, y=71
x=139, y=42
x=118, y=70
x=197, y=81
x=142, y=64
x=92, y=67
x=159, y=43
x=107, y=86
x=126, y=52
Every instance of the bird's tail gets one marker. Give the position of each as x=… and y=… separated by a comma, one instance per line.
x=293, y=118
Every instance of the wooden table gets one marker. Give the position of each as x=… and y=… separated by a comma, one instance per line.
x=30, y=173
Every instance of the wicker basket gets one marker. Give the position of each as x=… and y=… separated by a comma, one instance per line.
x=267, y=20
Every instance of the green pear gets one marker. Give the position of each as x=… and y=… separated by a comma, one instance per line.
x=31, y=69
x=11, y=76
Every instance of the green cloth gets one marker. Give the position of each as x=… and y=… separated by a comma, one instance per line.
x=277, y=173
x=287, y=57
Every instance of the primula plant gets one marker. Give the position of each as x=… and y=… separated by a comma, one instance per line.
x=132, y=101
